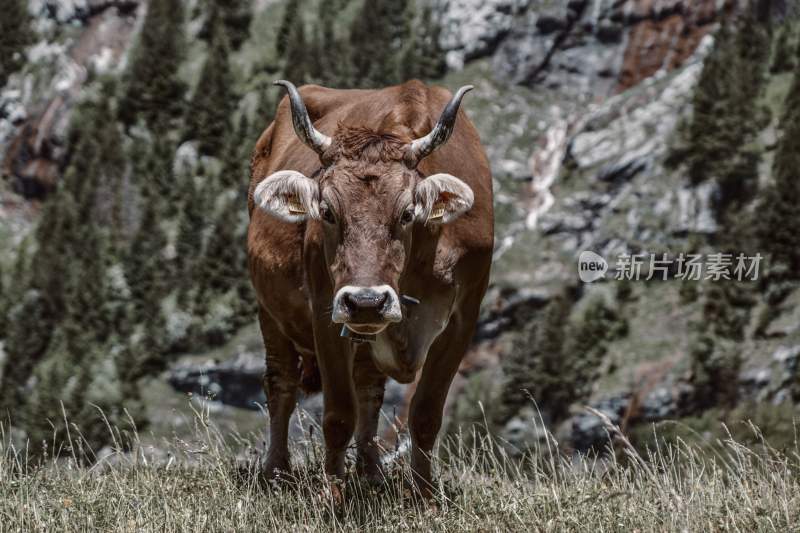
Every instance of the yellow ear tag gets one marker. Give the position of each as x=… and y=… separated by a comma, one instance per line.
x=294, y=206
x=437, y=211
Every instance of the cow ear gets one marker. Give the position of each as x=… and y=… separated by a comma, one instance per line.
x=289, y=196
x=442, y=198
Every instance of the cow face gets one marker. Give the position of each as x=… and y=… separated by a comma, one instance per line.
x=367, y=214
x=367, y=197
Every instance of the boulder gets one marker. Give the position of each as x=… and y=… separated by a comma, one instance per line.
x=236, y=381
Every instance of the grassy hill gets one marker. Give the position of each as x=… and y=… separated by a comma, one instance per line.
x=203, y=484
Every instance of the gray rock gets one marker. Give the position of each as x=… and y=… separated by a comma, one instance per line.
x=552, y=222
x=623, y=171
x=473, y=28
x=67, y=11
x=695, y=213
x=588, y=432
x=609, y=32
x=787, y=359
x=524, y=432
x=237, y=381
x=661, y=403
x=551, y=22
x=187, y=157
x=754, y=383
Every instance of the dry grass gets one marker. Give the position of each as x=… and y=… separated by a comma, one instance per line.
x=203, y=486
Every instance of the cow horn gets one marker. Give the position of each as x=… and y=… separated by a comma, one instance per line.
x=311, y=136
x=421, y=148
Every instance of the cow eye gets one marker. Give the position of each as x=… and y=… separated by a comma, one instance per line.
x=407, y=218
x=326, y=214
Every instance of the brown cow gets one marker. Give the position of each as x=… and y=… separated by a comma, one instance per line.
x=354, y=219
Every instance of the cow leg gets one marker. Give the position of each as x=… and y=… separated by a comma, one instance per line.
x=427, y=405
x=281, y=381
x=369, y=382
x=335, y=360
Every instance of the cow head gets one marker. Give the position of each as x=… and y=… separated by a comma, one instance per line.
x=367, y=196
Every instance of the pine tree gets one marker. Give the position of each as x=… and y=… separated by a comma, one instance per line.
x=778, y=214
x=530, y=368
x=46, y=293
x=714, y=345
x=161, y=172
x=423, y=56
x=331, y=62
x=378, y=35
x=87, y=295
x=149, y=276
x=296, y=49
x=784, y=59
x=289, y=23
x=57, y=390
x=5, y=303
x=223, y=264
x=15, y=35
x=42, y=295
x=191, y=226
x=793, y=98
x=222, y=273
x=153, y=91
x=264, y=112
x=110, y=398
x=722, y=137
x=708, y=138
x=236, y=16
x=147, y=268
x=27, y=339
x=209, y=114
x=236, y=159
x=585, y=346
x=112, y=196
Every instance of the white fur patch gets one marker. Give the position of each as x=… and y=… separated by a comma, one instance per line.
x=289, y=196
x=442, y=198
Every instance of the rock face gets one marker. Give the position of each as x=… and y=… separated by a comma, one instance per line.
x=36, y=104
x=473, y=28
x=589, y=47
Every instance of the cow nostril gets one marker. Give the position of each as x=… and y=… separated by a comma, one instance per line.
x=365, y=299
x=349, y=301
x=381, y=300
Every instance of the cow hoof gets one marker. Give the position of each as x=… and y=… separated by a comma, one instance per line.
x=334, y=493
x=372, y=473
x=274, y=473
x=420, y=490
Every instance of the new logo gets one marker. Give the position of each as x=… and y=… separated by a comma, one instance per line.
x=591, y=266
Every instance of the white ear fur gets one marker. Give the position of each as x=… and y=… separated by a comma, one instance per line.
x=289, y=196
x=442, y=198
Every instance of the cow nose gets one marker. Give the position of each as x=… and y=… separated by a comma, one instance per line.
x=365, y=299
x=366, y=305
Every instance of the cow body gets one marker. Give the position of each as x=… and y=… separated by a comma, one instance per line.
x=297, y=268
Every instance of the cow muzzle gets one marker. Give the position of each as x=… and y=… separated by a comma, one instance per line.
x=366, y=310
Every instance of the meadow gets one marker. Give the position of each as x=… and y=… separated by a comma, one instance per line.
x=209, y=483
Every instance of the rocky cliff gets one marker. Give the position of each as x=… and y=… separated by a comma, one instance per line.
x=590, y=48
x=76, y=37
